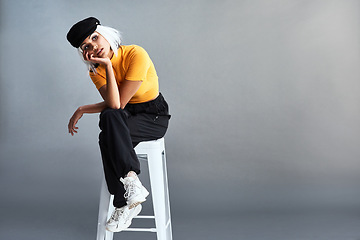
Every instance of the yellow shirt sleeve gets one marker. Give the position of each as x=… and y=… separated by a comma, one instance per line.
x=99, y=78
x=139, y=64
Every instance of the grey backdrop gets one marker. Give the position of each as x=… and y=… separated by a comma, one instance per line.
x=265, y=102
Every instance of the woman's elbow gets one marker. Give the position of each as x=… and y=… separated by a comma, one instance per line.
x=114, y=105
x=122, y=106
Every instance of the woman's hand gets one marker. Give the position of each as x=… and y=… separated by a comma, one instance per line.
x=73, y=121
x=90, y=58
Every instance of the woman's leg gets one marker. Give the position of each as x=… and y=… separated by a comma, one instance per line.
x=148, y=121
x=146, y=127
x=117, y=152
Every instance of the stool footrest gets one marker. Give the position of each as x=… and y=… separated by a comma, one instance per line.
x=143, y=216
x=140, y=229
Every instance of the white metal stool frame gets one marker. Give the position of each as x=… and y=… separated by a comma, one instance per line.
x=155, y=151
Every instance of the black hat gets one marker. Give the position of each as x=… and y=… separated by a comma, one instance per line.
x=81, y=30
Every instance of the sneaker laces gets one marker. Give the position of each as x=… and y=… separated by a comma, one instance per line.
x=117, y=213
x=130, y=187
x=120, y=212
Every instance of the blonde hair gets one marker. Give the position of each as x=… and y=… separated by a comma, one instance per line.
x=111, y=35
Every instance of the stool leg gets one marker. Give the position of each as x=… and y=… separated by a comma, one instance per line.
x=102, y=234
x=109, y=235
x=167, y=198
x=159, y=188
x=103, y=208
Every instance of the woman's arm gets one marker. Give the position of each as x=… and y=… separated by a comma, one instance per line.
x=111, y=93
x=91, y=108
x=127, y=89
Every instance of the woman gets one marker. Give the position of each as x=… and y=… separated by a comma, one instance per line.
x=133, y=110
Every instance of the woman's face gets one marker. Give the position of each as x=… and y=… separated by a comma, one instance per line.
x=96, y=45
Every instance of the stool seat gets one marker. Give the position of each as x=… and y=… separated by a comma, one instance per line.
x=156, y=158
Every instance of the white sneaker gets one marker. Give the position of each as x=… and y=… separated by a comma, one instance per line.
x=136, y=193
x=121, y=218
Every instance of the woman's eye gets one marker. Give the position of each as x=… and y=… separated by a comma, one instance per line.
x=94, y=37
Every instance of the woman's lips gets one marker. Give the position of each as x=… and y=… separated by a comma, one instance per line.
x=100, y=51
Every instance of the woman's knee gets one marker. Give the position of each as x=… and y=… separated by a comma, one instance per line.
x=110, y=115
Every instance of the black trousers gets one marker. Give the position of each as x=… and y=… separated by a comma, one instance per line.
x=121, y=131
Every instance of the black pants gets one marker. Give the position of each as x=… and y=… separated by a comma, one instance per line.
x=121, y=131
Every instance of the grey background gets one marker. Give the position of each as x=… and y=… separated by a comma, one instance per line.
x=263, y=142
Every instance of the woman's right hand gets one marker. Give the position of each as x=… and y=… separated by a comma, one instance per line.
x=90, y=58
x=73, y=121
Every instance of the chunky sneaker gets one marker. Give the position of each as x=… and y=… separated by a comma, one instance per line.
x=135, y=193
x=121, y=218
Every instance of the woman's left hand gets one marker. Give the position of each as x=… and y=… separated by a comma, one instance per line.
x=73, y=121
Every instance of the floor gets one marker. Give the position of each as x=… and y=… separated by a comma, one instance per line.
x=57, y=204
x=71, y=221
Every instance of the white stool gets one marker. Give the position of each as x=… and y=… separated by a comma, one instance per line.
x=155, y=152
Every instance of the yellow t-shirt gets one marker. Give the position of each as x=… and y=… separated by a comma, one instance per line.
x=134, y=64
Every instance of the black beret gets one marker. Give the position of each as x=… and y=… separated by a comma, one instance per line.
x=81, y=30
